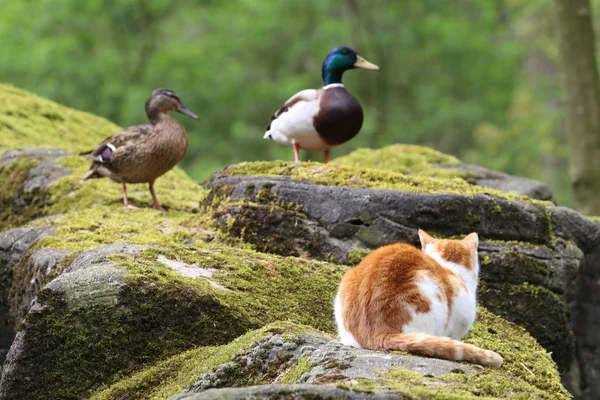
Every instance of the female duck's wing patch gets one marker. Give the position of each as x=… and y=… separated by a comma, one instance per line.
x=302, y=96
x=127, y=137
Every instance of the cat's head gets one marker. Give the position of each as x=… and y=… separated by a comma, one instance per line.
x=462, y=252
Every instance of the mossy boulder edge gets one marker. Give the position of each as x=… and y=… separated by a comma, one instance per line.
x=309, y=210
x=282, y=355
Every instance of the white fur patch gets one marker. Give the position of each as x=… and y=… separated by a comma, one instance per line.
x=434, y=321
x=463, y=310
x=467, y=275
x=345, y=337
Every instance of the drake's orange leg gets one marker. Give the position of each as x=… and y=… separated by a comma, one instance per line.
x=326, y=158
x=297, y=152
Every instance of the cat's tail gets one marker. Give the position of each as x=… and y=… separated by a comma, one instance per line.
x=440, y=347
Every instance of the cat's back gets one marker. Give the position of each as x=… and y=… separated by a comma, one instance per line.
x=392, y=264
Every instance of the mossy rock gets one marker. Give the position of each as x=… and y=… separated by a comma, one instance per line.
x=285, y=354
x=28, y=121
x=114, y=310
x=37, y=183
x=426, y=162
x=348, y=176
x=543, y=313
x=380, y=215
x=406, y=159
x=101, y=318
x=306, y=213
x=45, y=180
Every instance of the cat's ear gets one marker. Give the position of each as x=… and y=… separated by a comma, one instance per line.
x=425, y=238
x=472, y=240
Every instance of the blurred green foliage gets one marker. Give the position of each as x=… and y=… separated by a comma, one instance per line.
x=474, y=78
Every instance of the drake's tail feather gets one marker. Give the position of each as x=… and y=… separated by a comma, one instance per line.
x=440, y=347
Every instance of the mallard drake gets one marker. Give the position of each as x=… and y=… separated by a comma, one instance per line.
x=142, y=153
x=320, y=119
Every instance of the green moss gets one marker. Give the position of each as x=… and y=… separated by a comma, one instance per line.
x=175, y=190
x=527, y=306
x=96, y=343
x=293, y=374
x=404, y=158
x=594, y=218
x=12, y=180
x=171, y=376
x=528, y=371
x=27, y=120
x=265, y=228
x=77, y=345
x=514, y=266
x=340, y=175
x=101, y=225
x=263, y=276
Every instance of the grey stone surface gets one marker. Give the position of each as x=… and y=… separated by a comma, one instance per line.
x=446, y=214
x=46, y=172
x=96, y=286
x=553, y=268
x=328, y=359
x=585, y=308
x=287, y=392
x=13, y=244
x=29, y=197
x=99, y=255
x=50, y=154
x=30, y=276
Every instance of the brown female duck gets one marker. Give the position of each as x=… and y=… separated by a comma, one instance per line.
x=142, y=153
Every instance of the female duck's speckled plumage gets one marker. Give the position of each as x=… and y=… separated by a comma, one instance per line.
x=324, y=118
x=142, y=153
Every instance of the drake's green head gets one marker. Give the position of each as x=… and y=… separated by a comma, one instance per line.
x=340, y=60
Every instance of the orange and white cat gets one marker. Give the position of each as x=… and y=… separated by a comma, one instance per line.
x=419, y=301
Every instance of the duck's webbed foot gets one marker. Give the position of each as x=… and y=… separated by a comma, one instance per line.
x=126, y=204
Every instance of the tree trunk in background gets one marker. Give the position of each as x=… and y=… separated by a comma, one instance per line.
x=582, y=100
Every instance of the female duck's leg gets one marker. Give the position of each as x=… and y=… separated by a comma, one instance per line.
x=296, y=152
x=125, y=201
x=155, y=204
x=326, y=158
